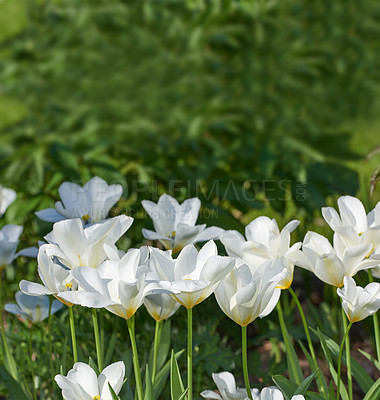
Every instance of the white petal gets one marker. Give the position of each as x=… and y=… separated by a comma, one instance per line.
x=113, y=374
x=49, y=215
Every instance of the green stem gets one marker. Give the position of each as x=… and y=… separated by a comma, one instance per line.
x=285, y=336
x=157, y=337
x=73, y=338
x=348, y=356
x=340, y=359
x=99, y=354
x=244, y=359
x=309, y=341
x=9, y=361
x=31, y=363
x=376, y=325
x=190, y=353
x=52, y=369
x=136, y=365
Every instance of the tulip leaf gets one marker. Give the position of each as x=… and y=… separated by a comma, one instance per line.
x=331, y=391
x=176, y=385
x=358, y=372
x=321, y=382
x=113, y=394
x=148, y=385
x=370, y=358
x=304, y=386
x=10, y=363
x=373, y=392
x=12, y=385
x=326, y=351
x=162, y=375
x=93, y=365
x=287, y=387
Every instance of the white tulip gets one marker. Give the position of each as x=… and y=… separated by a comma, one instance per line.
x=264, y=242
x=193, y=276
x=353, y=226
x=91, y=203
x=118, y=286
x=7, y=197
x=243, y=295
x=81, y=382
x=56, y=278
x=276, y=394
x=32, y=308
x=357, y=302
x=78, y=246
x=175, y=224
x=226, y=385
x=331, y=264
x=9, y=240
x=160, y=306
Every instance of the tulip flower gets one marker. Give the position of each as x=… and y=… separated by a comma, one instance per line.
x=332, y=264
x=243, y=295
x=226, y=385
x=32, y=308
x=359, y=303
x=192, y=277
x=81, y=382
x=7, y=197
x=78, y=246
x=276, y=394
x=91, y=203
x=9, y=240
x=160, y=306
x=174, y=224
x=56, y=278
x=353, y=226
x=264, y=242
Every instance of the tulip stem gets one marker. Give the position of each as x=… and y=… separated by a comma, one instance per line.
x=244, y=359
x=99, y=354
x=348, y=355
x=135, y=357
x=31, y=363
x=347, y=330
x=309, y=341
x=376, y=325
x=190, y=353
x=73, y=337
x=52, y=369
x=157, y=337
x=285, y=336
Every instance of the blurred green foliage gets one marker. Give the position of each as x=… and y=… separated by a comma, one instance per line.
x=188, y=95
x=249, y=105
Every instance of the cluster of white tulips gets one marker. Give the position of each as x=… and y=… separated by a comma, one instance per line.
x=79, y=264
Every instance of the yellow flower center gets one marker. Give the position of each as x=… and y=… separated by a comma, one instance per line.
x=85, y=218
x=370, y=253
x=69, y=286
x=173, y=234
x=97, y=397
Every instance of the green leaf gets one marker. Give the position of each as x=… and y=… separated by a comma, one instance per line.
x=326, y=351
x=162, y=375
x=12, y=385
x=374, y=391
x=331, y=391
x=304, y=386
x=10, y=363
x=370, y=358
x=176, y=385
x=358, y=372
x=93, y=365
x=287, y=387
x=311, y=364
x=113, y=394
x=148, y=385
